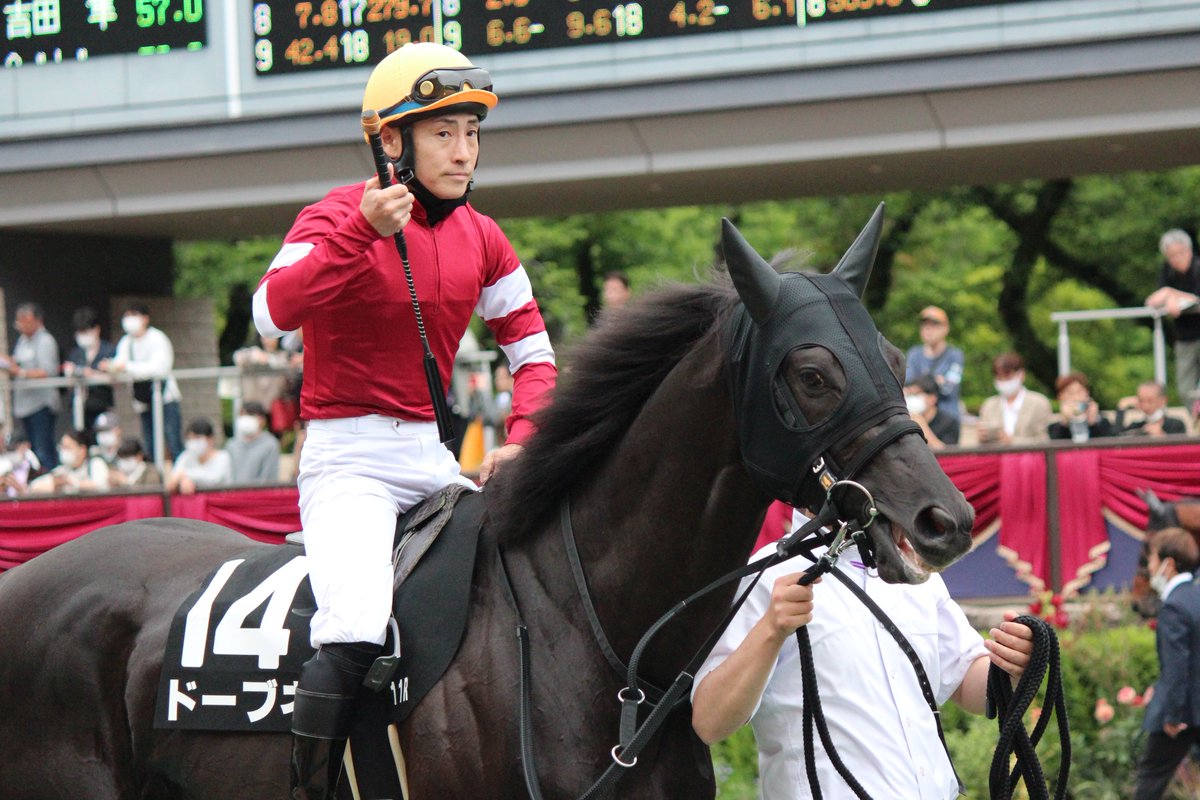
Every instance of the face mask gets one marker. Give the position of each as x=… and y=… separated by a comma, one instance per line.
x=66, y=457
x=127, y=465
x=132, y=324
x=1009, y=388
x=1158, y=581
x=246, y=426
x=106, y=439
x=1157, y=415
x=197, y=447
x=86, y=340
x=915, y=403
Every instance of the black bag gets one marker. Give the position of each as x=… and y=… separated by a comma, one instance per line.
x=143, y=391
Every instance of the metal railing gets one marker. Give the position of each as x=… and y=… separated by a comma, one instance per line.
x=1064, y=318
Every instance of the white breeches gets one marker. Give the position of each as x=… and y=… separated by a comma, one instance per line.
x=356, y=476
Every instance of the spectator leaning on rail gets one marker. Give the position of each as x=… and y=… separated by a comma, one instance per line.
x=1178, y=292
x=90, y=352
x=1079, y=417
x=145, y=352
x=937, y=358
x=1151, y=400
x=253, y=450
x=372, y=448
x=76, y=471
x=132, y=469
x=35, y=355
x=921, y=397
x=1014, y=415
x=202, y=464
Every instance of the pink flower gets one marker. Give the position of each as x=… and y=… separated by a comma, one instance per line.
x=1056, y=601
x=1061, y=620
x=1104, y=712
x=1127, y=695
x=1035, y=608
x=1035, y=713
x=1139, y=701
x=1146, y=697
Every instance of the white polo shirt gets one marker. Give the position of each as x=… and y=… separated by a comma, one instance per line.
x=878, y=719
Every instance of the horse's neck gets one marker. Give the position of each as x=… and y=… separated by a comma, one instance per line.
x=671, y=509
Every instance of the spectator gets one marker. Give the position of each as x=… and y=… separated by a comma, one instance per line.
x=76, y=471
x=85, y=359
x=132, y=468
x=616, y=290
x=143, y=353
x=1014, y=415
x=202, y=463
x=1079, y=417
x=1172, y=719
x=1155, y=421
x=18, y=466
x=936, y=357
x=502, y=386
x=921, y=395
x=878, y=719
x=264, y=365
x=1178, y=291
x=35, y=356
x=253, y=450
x=108, y=437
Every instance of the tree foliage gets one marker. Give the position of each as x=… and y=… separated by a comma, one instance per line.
x=1000, y=259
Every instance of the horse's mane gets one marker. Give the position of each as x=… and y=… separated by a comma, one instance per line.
x=612, y=372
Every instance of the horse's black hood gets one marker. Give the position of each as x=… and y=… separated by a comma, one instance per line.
x=780, y=313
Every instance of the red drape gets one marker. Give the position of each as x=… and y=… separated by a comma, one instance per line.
x=267, y=515
x=978, y=478
x=31, y=527
x=1171, y=472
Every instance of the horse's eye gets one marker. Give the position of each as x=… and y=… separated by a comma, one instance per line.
x=811, y=379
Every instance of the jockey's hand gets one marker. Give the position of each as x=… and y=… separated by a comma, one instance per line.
x=493, y=460
x=1010, y=646
x=791, y=606
x=388, y=210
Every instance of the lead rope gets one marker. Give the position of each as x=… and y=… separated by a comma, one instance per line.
x=1008, y=705
x=1004, y=703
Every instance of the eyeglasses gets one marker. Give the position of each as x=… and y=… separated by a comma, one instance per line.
x=440, y=83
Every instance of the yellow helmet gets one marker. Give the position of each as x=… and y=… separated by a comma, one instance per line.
x=422, y=77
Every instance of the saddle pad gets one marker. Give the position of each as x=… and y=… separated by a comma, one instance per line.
x=431, y=607
x=236, y=645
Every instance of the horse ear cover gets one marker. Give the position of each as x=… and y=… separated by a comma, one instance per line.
x=855, y=266
x=756, y=282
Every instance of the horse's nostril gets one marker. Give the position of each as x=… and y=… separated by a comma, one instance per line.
x=936, y=521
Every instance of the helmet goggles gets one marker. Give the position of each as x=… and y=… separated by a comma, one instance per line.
x=438, y=84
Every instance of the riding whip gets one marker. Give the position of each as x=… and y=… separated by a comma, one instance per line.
x=437, y=394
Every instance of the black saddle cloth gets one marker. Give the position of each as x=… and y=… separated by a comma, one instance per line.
x=236, y=646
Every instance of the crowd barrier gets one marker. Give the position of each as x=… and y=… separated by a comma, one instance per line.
x=30, y=527
x=1061, y=516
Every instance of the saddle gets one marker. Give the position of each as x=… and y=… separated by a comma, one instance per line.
x=236, y=645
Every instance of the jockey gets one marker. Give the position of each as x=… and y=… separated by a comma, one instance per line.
x=372, y=449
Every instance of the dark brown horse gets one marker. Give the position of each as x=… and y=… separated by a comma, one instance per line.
x=643, y=438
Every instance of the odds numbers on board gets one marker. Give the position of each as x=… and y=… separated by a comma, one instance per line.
x=292, y=36
x=52, y=31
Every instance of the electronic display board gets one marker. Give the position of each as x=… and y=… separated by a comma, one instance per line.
x=305, y=35
x=51, y=31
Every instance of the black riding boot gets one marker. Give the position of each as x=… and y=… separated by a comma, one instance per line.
x=321, y=716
